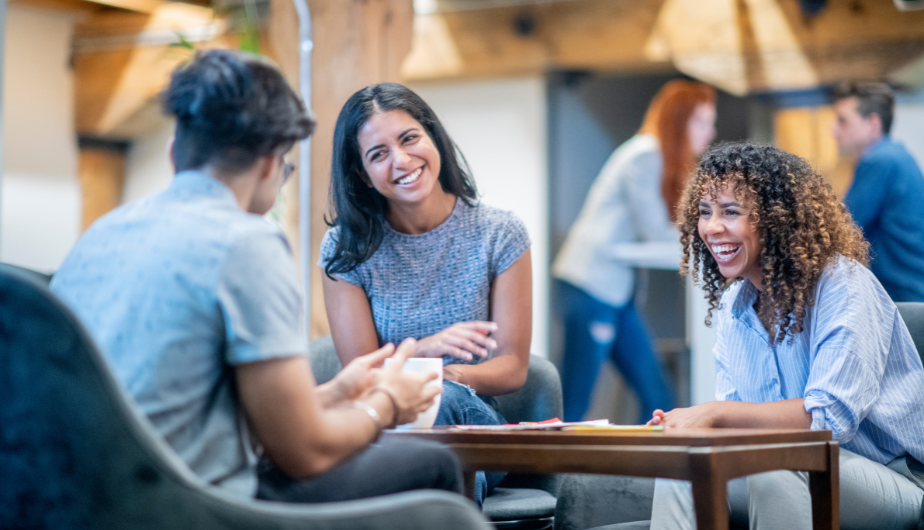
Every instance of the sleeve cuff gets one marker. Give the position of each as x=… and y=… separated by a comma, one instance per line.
x=815, y=405
x=832, y=415
x=818, y=420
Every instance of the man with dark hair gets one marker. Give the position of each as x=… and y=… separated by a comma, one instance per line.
x=887, y=193
x=192, y=297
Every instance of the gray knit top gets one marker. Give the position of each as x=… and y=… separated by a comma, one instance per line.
x=419, y=285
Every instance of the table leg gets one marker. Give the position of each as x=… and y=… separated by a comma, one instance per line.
x=825, y=489
x=710, y=490
x=468, y=484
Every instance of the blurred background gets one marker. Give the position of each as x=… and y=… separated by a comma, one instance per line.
x=537, y=94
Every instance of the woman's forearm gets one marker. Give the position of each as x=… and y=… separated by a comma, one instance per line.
x=786, y=414
x=500, y=375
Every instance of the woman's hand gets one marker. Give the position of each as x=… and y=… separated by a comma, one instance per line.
x=451, y=372
x=698, y=416
x=407, y=389
x=462, y=340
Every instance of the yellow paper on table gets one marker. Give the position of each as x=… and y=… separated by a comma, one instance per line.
x=615, y=428
x=557, y=425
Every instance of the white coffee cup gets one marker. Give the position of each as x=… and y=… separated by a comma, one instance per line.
x=423, y=365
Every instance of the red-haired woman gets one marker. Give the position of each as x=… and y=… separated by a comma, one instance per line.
x=633, y=199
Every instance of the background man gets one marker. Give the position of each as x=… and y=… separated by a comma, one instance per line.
x=887, y=195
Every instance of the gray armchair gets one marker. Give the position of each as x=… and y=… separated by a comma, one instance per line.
x=527, y=501
x=522, y=501
x=913, y=315
x=76, y=453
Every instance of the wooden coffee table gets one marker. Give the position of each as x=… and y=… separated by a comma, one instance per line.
x=708, y=458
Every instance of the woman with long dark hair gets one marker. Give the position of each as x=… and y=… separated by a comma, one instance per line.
x=633, y=199
x=412, y=253
x=806, y=338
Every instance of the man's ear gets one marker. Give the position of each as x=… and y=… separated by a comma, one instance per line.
x=875, y=121
x=267, y=165
x=170, y=145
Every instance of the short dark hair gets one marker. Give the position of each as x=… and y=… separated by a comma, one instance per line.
x=874, y=97
x=232, y=108
x=359, y=210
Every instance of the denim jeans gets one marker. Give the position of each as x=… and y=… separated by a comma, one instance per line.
x=460, y=405
x=872, y=496
x=594, y=331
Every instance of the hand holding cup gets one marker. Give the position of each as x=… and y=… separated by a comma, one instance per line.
x=410, y=391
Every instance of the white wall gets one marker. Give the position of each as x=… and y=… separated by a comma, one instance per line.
x=147, y=167
x=908, y=128
x=500, y=126
x=40, y=208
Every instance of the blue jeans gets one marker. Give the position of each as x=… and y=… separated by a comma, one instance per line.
x=594, y=331
x=461, y=406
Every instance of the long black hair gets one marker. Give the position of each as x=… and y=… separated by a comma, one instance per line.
x=231, y=109
x=359, y=210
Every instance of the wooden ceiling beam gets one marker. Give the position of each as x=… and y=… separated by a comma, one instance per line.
x=78, y=6
x=140, y=6
x=591, y=34
x=740, y=45
x=117, y=73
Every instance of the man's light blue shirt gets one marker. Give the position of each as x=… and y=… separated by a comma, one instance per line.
x=176, y=289
x=854, y=363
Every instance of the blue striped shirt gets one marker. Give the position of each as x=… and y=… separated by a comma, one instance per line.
x=854, y=363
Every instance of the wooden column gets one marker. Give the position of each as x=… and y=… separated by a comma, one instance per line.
x=101, y=171
x=356, y=43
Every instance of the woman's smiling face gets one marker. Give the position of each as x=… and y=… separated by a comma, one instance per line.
x=400, y=159
x=725, y=226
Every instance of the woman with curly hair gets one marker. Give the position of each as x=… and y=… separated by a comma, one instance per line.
x=806, y=338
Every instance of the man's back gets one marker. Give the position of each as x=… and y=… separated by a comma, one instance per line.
x=887, y=200
x=176, y=289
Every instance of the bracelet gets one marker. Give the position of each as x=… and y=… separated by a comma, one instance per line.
x=365, y=407
x=394, y=405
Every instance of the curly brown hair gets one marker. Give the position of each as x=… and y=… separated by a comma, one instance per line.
x=802, y=227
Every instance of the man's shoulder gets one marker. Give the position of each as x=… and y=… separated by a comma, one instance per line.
x=890, y=153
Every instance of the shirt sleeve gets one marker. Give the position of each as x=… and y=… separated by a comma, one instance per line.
x=850, y=344
x=650, y=217
x=328, y=245
x=867, y=195
x=260, y=299
x=513, y=242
